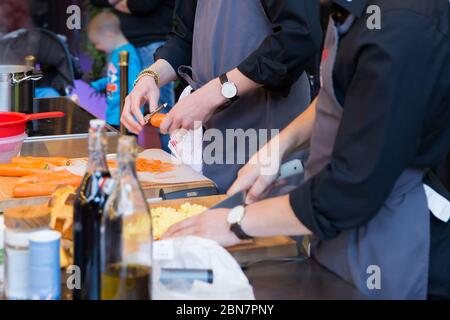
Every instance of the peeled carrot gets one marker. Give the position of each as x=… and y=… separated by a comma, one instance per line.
x=33, y=189
x=22, y=190
x=20, y=170
x=157, y=119
x=56, y=161
x=38, y=178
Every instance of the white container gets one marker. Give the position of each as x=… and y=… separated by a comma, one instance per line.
x=16, y=264
x=10, y=147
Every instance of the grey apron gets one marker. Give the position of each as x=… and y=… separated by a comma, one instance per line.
x=396, y=241
x=225, y=33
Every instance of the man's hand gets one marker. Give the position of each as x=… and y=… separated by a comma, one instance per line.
x=258, y=177
x=198, y=106
x=145, y=90
x=211, y=225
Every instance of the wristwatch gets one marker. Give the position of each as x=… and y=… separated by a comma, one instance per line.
x=229, y=89
x=234, y=218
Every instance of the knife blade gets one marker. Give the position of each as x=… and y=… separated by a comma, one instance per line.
x=237, y=199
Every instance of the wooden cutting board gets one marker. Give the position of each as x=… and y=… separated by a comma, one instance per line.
x=258, y=249
x=151, y=190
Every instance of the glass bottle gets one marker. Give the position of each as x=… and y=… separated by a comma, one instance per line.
x=126, y=233
x=88, y=210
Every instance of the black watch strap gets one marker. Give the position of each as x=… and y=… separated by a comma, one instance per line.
x=223, y=78
x=237, y=230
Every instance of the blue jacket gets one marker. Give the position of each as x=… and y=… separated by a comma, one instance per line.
x=111, y=83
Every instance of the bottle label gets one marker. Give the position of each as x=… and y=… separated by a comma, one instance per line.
x=107, y=185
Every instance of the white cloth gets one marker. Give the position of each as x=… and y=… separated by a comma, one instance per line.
x=229, y=282
x=438, y=205
x=187, y=146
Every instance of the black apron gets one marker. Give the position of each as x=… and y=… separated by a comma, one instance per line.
x=225, y=33
x=395, y=244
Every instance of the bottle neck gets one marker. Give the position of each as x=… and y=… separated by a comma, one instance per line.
x=126, y=164
x=97, y=158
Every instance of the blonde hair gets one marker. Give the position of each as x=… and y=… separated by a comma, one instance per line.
x=104, y=21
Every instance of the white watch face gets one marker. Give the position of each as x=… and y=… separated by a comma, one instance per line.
x=229, y=90
x=236, y=215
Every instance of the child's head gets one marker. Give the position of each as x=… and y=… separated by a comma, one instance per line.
x=104, y=31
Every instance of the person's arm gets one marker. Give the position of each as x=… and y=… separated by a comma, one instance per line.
x=276, y=64
x=272, y=217
x=201, y=104
x=254, y=176
x=177, y=50
x=283, y=55
x=380, y=130
x=378, y=136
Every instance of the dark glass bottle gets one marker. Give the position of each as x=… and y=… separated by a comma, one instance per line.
x=88, y=210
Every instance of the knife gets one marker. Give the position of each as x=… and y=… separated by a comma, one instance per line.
x=188, y=193
x=287, y=170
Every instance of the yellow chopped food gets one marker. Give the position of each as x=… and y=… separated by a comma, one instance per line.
x=165, y=217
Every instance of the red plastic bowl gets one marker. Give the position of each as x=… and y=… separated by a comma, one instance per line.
x=14, y=123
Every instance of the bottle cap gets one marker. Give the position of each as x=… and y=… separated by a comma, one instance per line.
x=97, y=123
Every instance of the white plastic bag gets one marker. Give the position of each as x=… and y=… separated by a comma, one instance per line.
x=187, y=146
x=229, y=282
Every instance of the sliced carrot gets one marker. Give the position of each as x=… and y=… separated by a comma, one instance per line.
x=146, y=165
x=157, y=119
x=56, y=161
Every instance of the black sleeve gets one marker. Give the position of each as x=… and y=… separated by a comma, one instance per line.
x=100, y=3
x=380, y=131
x=283, y=55
x=143, y=6
x=178, y=48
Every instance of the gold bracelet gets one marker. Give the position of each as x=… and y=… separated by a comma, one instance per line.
x=145, y=73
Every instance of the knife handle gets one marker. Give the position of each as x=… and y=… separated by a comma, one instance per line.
x=189, y=193
x=291, y=168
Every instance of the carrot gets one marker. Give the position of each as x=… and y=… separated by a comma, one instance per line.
x=22, y=190
x=37, y=178
x=72, y=180
x=33, y=189
x=157, y=119
x=20, y=170
x=56, y=161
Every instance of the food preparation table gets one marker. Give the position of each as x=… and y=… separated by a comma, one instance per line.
x=270, y=280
